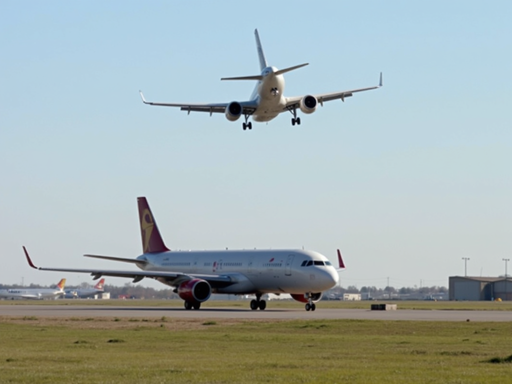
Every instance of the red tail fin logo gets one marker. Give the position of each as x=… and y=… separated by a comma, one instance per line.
x=61, y=284
x=152, y=242
x=99, y=286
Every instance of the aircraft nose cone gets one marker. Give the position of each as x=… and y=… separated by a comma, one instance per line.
x=335, y=277
x=329, y=279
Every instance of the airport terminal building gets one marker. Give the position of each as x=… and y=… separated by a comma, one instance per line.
x=480, y=288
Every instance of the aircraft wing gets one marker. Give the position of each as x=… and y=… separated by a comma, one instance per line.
x=31, y=296
x=323, y=97
x=170, y=278
x=248, y=107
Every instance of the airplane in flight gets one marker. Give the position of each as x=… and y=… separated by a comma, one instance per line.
x=195, y=275
x=267, y=100
x=82, y=293
x=34, y=293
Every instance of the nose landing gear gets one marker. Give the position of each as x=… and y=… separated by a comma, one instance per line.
x=310, y=306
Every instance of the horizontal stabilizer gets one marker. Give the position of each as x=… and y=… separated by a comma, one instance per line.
x=257, y=77
x=281, y=71
x=113, y=258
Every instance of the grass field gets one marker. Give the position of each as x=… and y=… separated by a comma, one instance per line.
x=115, y=350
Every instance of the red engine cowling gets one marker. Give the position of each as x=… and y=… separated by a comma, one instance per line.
x=303, y=298
x=308, y=104
x=195, y=290
x=234, y=111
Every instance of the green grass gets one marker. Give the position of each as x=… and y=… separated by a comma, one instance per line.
x=227, y=351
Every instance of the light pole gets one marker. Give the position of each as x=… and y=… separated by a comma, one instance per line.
x=466, y=265
x=506, y=262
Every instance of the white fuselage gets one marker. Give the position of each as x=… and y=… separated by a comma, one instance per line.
x=32, y=293
x=253, y=271
x=268, y=95
x=81, y=293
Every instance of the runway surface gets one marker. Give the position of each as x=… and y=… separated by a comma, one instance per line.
x=237, y=313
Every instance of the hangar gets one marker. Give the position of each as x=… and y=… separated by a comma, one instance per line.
x=480, y=288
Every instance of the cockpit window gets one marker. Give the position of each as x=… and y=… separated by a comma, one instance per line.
x=328, y=263
x=319, y=262
x=310, y=263
x=304, y=263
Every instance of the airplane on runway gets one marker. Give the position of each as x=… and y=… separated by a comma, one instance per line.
x=267, y=100
x=195, y=275
x=82, y=293
x=34, y=293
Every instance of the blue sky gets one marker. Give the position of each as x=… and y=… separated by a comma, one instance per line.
x=406, y=180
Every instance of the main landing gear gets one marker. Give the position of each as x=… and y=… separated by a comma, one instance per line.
x=295, y=119
x=247, y=125
x=258, y=303
x=310, y=306
x=191, y=305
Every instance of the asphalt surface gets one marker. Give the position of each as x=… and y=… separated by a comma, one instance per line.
x=237, y=313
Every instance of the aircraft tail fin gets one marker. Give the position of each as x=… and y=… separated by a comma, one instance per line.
x=99, y=286
x=61, y=284
x=341, y=264
x=152, y=241
x=261, y=55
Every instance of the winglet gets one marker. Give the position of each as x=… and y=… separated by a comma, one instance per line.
x=28, y=258
x=142, y=97
x=341, y=264
x=380, y=81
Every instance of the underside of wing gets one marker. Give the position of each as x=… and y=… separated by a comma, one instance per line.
x=340, y=95
x=248, y=107
x=169, y=278
x=295, y=102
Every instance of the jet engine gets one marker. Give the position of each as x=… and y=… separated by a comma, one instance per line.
x=194, y=291
x=308, y=104
x=234, y=111
x=304, y=299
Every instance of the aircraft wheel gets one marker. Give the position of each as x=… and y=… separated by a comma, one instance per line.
x=249, y=125
x=262, y=305
x=188, y=305
x=254, y=305
x=308, y=307
x=196, y=306
x=313, y=306
x=298, y=120
x=293, y=121
x=244, y=126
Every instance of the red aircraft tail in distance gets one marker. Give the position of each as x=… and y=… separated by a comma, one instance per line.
x=152, y=241
x=341, y=264
x=100, y=284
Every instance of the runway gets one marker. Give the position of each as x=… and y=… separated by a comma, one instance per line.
x=63, y=311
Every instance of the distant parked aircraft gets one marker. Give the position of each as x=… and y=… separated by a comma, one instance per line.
x=267, y=100
x=195, y=275
x=34, y=293
x=82, y=293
